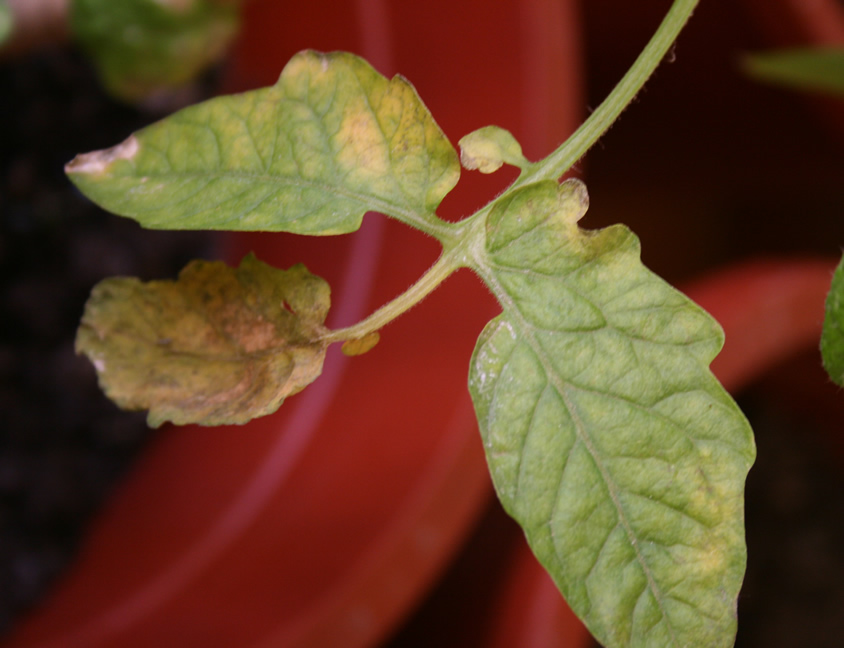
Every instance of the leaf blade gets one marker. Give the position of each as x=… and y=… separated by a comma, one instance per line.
x=817, y=70
x=309, y=155
x=218, y=346
x=832, y=337
x=583, y=389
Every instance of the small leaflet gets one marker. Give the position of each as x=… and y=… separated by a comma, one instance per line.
x=488, y=148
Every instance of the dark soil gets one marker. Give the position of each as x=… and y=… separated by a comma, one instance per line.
x=62, y=444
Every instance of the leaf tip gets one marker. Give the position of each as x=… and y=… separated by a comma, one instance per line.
x=97, y=162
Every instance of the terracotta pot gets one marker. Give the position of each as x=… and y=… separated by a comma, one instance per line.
x=324, y=524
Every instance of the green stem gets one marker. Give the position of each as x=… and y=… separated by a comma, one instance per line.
x=427, y=283
x=459, y=238
x=575, y=147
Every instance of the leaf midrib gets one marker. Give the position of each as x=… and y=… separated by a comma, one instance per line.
x=484, y=268
x=425, y=221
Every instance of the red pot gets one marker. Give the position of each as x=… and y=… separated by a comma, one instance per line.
x=796, y=23
x=324, y=524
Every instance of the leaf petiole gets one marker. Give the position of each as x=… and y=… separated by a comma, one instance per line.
x=427, y=283
x=465, y=235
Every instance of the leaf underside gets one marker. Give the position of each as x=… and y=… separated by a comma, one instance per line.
x=330, y=141
x=607, y=437
x=832, y=338
x=220, y=345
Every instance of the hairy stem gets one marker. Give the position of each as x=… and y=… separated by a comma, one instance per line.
x=575, y=147
x=458, y=237
x=426, y=284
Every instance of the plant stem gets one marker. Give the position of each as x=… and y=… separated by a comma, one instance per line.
x=427, y=283
x=460, y=237
x=575, y=147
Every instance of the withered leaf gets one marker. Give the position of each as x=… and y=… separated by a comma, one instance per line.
x=219, y=345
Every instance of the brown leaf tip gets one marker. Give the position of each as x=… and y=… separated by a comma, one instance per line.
x=97, y=161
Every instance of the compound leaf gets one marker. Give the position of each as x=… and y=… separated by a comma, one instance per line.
x=607, y=437
x=832, y=338
x=220, y=345
x=329, y=141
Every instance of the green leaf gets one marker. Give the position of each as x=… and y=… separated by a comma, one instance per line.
x=803, y=69
x=486, y=149
x=143, y=46
x=6, y=21
x=832, y=338
x=330, y=141
x=607, y=437
x=220, y=345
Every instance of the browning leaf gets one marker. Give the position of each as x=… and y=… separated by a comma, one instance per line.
x=220, y=345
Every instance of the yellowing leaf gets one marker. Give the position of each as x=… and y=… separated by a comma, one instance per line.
x=220, y=345
x=607, y=437
x=330, y=141
x=487, y=148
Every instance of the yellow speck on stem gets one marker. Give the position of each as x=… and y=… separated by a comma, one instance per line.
x=361, y=345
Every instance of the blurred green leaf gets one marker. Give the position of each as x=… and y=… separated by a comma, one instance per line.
x=6, y=21
x=819, y=70
x=143, y=46
x=330, y=141
x=220, y=345
x=608, y=439
x=832, y=338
